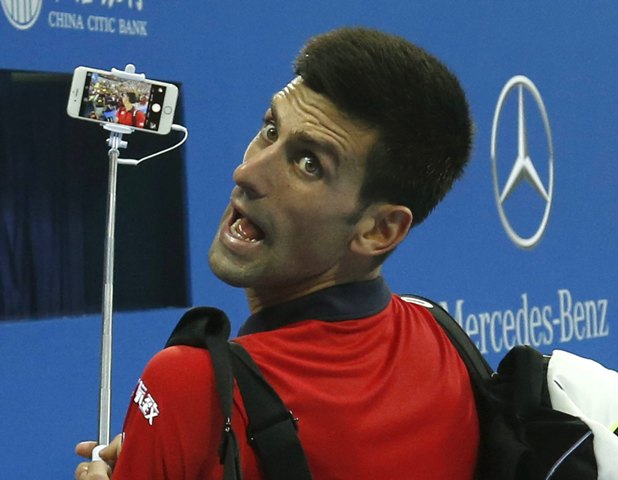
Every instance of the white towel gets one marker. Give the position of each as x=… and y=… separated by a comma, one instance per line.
x=586, y=389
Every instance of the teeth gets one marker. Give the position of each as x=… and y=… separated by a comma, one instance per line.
x=238, y=232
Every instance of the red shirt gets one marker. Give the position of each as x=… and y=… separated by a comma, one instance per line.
x=379, y=396
x=134, y=118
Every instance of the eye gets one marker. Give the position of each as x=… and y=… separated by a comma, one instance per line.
x=269, y=132
x=310, y=165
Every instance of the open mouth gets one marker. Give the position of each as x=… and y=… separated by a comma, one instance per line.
x=243, y=228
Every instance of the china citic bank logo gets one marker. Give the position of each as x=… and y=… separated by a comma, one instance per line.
x=22, y=13
x=523, y=167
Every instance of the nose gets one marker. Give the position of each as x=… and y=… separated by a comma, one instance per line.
x=253, y=175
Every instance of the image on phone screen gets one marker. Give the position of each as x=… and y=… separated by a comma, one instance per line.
x=134, y=103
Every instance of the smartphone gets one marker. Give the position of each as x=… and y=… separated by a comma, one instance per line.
x=102, y=96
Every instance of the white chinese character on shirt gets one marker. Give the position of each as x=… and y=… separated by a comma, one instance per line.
x=140, y=392
x=146, y=403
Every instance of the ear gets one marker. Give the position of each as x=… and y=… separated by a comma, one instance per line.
x=381, y=229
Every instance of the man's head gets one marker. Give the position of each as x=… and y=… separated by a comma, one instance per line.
x=414, y=102
x=129, y=99
x=307, y=211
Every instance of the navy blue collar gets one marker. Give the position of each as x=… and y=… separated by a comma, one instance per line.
x=333, y=304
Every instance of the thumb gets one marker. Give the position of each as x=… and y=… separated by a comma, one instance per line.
x=111, y=452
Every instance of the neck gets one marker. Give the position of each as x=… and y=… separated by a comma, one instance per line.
x=260, y=298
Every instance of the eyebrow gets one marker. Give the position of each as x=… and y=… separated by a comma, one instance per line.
x=327, y=148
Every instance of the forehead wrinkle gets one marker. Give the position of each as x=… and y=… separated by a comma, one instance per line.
x=316, y=126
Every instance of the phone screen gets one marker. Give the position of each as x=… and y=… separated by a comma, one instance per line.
x=109, y=98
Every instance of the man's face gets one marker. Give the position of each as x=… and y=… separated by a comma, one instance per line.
x=294, y=210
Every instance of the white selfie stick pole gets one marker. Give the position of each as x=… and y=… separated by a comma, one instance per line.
x=115, y=142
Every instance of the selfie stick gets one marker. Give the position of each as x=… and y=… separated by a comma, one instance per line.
x=115, y=143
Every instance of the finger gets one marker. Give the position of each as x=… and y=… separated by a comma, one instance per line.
x=81, y=471
x=93, y=471
x=112, y=451
x=84, y=449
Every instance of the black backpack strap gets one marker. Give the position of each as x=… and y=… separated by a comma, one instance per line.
x=209, y=328
x=272, y=427
x=480, y=371
x=522, y=437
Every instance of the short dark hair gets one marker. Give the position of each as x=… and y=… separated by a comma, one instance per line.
x=413, y=101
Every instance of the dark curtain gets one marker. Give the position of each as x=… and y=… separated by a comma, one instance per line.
x=53, y=189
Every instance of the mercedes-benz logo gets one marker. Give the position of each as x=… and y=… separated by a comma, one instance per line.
x=22, y=13
x=523, y=168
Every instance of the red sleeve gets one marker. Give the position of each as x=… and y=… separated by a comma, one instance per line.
x=173, y=425
x=140, y=119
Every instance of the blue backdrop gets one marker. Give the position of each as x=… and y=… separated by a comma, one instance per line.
x=230, y=58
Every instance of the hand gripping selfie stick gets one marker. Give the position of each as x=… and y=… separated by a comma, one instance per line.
x=115, y=143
